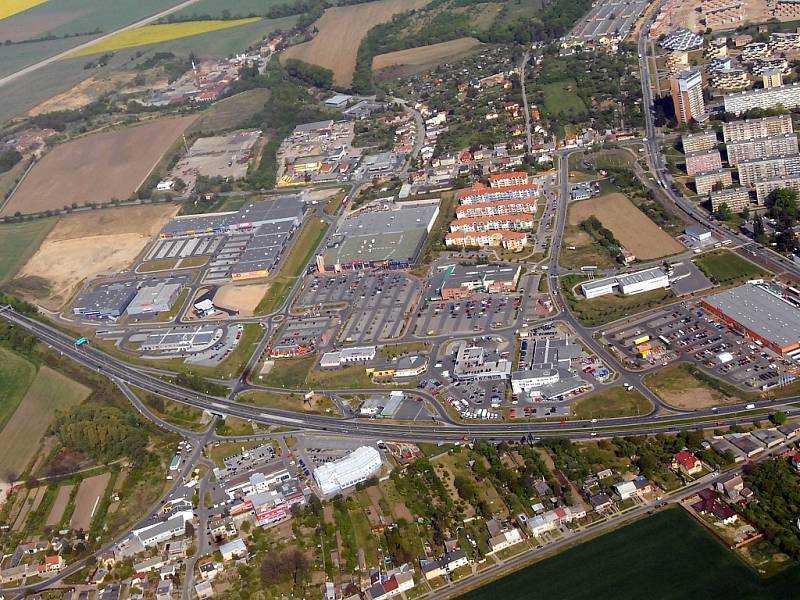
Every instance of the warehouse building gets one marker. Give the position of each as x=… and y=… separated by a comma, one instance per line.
x=740, y=102
x=105, y=301
x=358, y=466
x=762, y=148
x=748, y=129
x=155, y=299
x=384, y=234
x=632, y=283
x=759, y=314
x=454, y=282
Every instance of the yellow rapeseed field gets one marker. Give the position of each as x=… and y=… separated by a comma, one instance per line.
x=154, y=34
x=12, y=7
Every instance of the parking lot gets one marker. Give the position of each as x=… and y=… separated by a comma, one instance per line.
x=480, y=314
x=374, y=304
x=690, y=333
x=305, y=332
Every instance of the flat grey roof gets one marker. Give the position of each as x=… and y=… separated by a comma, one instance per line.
x=761, y=312
x=599, y=283
x=639, y=276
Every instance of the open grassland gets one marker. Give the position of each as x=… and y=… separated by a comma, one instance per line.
x=560, y=100
x=685, y=386
x=18, y=242
x=341, y=30
x=232, y=112
x=628, y=224
x=726, y=268
x=402, y=62
x=20, y=439
x=155, y=34
x=87, y=499
x=317, y=405
x=96, y=168
x=644, y=556
x=82, y=246
x=12, y=7
x=610, y=403
x=16, y=375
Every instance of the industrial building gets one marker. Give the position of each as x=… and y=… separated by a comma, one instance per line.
x=383, y=234
x=632, y=283
x=155, y=299
x=105, y=301
x=759, y=313
x=358, y=466
x=740, y=102
x=284, y=209
x=762, y=148
x=454, y=282
x=473, y=364
x=749, y=129
x=545, y=371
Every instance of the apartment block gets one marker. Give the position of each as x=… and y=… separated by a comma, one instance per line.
x=687, y=95
x=499, y=208
x=766, y=186
x=704, y=182
x=698, y=142
x=748, y=129
x=751, y=171
x=784, y=41
x=787, y=96
x=737, y=199
x=482, y=224
x=762, y=148
x=783, y=9
x=703, y=162
x=730, y=79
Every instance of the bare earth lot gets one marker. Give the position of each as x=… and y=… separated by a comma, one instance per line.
x=59, y=505
x=83, y=246
x=86, y=92
x=425, y=55
x=341, y=30
x=89, y=492
x=20, y=439
x=96, y=168
x=243, y=298
x=629, y=225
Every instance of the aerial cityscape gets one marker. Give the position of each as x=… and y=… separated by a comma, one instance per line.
x=364, y=299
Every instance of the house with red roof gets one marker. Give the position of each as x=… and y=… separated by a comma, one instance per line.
x=687, y=463
x=795, y=460
x=711, y=504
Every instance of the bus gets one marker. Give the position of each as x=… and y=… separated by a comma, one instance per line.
x=665, y=341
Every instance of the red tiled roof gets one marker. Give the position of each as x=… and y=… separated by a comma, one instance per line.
x=687, y=459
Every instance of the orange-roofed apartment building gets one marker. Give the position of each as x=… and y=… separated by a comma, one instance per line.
x=479, y=193
x=510, y=240
x=498, y=208
x=499, y=180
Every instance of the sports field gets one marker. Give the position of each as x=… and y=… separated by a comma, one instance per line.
x=96, y=168
x=644, y=560
x=18, y=242
x=155, y=34
x=85, y=245
x=341, y=30
x=630, y=225
x=13, y=7
x=16, y=375
x=20, y=439
x=426, y=56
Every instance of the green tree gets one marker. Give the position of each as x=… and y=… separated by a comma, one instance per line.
x=724, y=212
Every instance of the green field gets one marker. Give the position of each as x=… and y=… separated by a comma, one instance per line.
x=292, y=265
x=666, y=556
x=727, y=268
x=16, y=375
x=318, y=406
x=20, y=438
x=235, y=8
x=610, y=403
x=290, y=373
x=231, y=112
x=686, y=386
x=18, y=242
x=561, y=101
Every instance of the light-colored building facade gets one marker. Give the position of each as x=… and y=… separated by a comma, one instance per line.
x=737, y=199
x=748, y=129
x=787, y=96
x=687, y=95
x=764, y=187
x=751, y=171
x=361, y=464
x=698, y=142
x=762, y=148
x=705, y=182
x=703, y=161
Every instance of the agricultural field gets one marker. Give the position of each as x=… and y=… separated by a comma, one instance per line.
x=235, y=8
x=405, y=62
x=89, y=493
x=341, y=30
x=96, y=168
x=12, y=7
x=156, y=34
x=59, y=505
x=644, y=555
x=18, y=56
x=685, y=386
x=82, y=246
x=726, y=268
x=20, y=438
x=232, y=112
x=18, y=242
x=629, y=225
x=16, y=375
